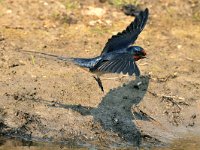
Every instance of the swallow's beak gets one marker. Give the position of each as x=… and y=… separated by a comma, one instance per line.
x=143, y=57
x=143, y=52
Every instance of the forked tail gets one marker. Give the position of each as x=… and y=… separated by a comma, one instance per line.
x=83, y=62
x=46, y=55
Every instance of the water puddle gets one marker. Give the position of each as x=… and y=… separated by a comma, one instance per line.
x=19, y=144
x=190, y=143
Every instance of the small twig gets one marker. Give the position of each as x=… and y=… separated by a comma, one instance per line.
x=110, y=78
x=17, y=27
x=190, y=59
x=170, y=99
x=113, y=78
x=33, y=60
x=144, y=64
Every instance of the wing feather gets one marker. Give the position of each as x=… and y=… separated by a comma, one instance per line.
x=125, y=69
x=129, y=35
x=119, y=70
x=122, y=63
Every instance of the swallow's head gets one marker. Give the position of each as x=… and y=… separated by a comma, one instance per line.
x=137, y=52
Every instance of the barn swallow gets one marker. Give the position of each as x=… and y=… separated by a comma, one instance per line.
x=118, y=55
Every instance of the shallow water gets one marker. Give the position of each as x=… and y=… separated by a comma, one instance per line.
x=19, y=144
x=190, y=143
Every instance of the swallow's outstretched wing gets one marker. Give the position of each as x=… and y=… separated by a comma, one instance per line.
x=129, y=35
x=123, y=63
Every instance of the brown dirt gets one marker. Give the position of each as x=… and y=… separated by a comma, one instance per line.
x=44, y=99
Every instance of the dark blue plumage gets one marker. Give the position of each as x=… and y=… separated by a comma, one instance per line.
x=117, y=56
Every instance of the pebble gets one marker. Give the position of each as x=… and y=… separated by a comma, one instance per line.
x=95, y=11
x=179, y=46
x=9, y=11
x=46, y=4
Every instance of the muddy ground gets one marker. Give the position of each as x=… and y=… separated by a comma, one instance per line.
x=48, y=100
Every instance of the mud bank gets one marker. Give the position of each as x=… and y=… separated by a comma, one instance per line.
x=47, y=100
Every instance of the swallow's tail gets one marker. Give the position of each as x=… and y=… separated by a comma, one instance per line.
x=47, y=55
x=82, y=62
x=86, y=62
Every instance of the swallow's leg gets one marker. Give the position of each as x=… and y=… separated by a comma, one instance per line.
x=99, y=82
